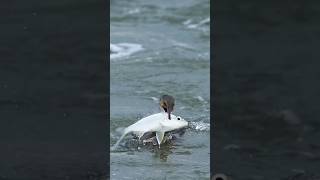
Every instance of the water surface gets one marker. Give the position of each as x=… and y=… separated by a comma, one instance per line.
x=160, y=48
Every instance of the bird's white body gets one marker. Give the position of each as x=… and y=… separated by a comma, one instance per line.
x=158, y=123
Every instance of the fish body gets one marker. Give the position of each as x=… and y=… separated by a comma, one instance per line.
x=158, y=123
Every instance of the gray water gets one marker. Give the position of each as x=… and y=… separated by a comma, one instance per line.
x=160, y=47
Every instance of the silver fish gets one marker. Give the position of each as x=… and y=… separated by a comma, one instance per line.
x=158, y=123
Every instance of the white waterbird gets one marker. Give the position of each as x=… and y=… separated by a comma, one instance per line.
x=158, y=123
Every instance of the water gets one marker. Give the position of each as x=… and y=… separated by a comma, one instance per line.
x=160, y=48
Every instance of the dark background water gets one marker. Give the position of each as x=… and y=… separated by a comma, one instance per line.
x=53, y=90
x=266, y=89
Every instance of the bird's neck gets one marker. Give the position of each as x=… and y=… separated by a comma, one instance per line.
x=162, y=110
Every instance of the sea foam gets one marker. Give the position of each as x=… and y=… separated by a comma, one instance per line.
x=122, y=50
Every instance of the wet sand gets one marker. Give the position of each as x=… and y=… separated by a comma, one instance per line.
x=53, y=87
x=266, y=73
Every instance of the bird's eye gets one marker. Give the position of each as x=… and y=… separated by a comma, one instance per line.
x=178, y=118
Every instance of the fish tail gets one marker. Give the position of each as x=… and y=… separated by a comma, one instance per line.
x=114, y=147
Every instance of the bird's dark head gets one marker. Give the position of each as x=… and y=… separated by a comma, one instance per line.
x=167, y=104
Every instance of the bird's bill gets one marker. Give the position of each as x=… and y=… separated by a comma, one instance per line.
x=169, y=113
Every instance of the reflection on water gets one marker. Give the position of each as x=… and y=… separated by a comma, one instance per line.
x=163, y=152
x=149, y=143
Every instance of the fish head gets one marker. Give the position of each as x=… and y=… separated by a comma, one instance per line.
x=176, y=122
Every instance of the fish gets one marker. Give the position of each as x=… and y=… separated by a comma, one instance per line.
x=158, y=123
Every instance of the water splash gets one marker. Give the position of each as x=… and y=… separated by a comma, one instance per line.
x=200, y=25
x=155, y=99
x=200, y=126
x=124, y=50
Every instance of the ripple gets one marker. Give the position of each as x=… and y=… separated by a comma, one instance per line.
x=122, y=50
x=189, y=23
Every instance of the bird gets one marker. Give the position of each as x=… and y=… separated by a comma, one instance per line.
x=167, y=104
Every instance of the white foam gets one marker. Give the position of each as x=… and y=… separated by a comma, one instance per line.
x=200, y=98
x=200, y=126
x=154, y=99
x=134, y=11
x=191, y=25
x=187, y=22
x=122, y=50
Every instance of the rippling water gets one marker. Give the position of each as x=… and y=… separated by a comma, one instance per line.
x=161, y=47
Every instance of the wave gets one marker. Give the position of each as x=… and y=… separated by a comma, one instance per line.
x=122, y=50
x=190, y=25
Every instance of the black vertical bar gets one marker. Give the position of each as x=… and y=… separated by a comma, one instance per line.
x=266, y=89
x=54, y=89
